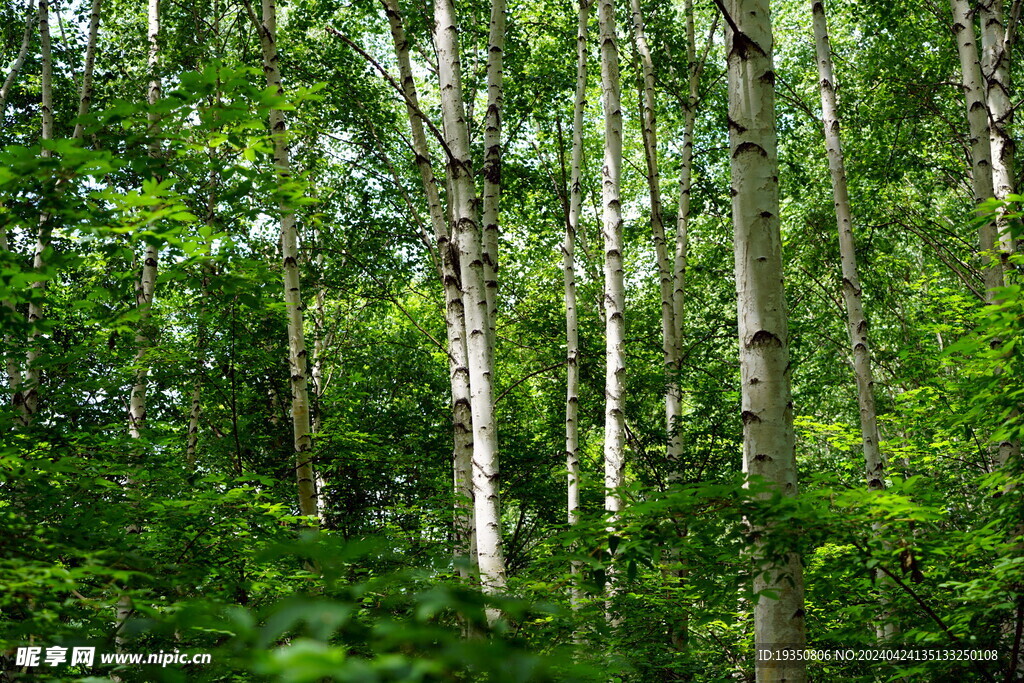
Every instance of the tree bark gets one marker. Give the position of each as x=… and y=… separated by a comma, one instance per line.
x=19, y=61
x=146, y=284
x=302, y=436
x=492, y=159
x=614, y=291
x=978, y=130
x=572, y=342
x=767, y=410
x=856, y=321
x=480, y=356
x=995, y=67
x=85, y=101
x=857, y=324
x=35, y=306
x=666, y=266
x=464, y=549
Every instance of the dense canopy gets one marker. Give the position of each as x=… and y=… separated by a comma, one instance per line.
x=516, y=340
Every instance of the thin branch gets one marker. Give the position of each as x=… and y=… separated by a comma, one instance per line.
x=526, y=377
x=728, y=18
x=398, y=88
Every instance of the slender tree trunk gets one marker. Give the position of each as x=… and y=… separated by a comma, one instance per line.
x=302, y=437
x=978, y=127
x=19, y=61
x=14, y=374
x=996, y=50
x=320, y=349
x=572, y=342
x=995, y=67
x=694, y=68
x=666, y=266
x=479, y=351
x=614, y=291
x=146, y=284
x=768, y=440
x=455, y=319
x=35, y=304
x=856, y=321
x=492, y=159
x=85, y=100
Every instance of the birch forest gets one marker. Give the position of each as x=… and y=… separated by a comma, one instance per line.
x=625, y=341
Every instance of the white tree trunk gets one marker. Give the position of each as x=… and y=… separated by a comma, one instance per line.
x=767, y=411
x=614, y=291
x=303, y=441
x=14, y=375
x=85, y=100
x=995, y=67
x=856, y=321
x=572, y=342
x=35, y=307
x=455, y=319
x=666, y=267
x=857, y=324
x=978, y=131
x=492, y=159
x=479, y=351
x=19, y=61
x=146, y=284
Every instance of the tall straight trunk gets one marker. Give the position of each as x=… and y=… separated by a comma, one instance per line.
x=693, y=71
x=35, y=305
x=302, y=436
x=857, y=324
x=479, y=351
x=19, y=61
x=856, y=321
x=85, y=100
x=614, y=290
x=978, y=128
x=492, y=159
x=14, y=375
x=146, y=284
x=572, y=342
x=666, y=266
x=995, y=67
x=767, y=410
x=464, y=550
x=320, y=346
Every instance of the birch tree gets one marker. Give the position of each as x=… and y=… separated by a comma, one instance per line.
x=572, y=342
x=694, y=67
x=492, y=159
x=856, y=320
x=614, y=291
x=979, y=139
x=666, y=266
x=145, y=286
x=302, y=437
x=455, y=318
x=30, y=398
x=996, y=49
x=479, y=351
x=767, y=410
x=19, y=61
